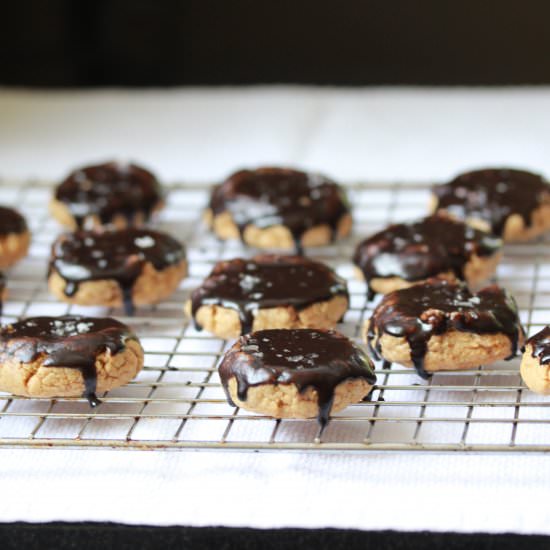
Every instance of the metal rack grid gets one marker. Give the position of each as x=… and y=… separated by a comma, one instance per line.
x=177, y=402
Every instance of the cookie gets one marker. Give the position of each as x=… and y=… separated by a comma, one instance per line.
x=301, y=373
x=111, y=268
x=15, y=237
x=441, y=325
x=535, y=363
x=68, y=356
x=268, y=291
x=3, y=292
x=437, y=246
x=110, y=194
x=279, y=208
x=512, y=204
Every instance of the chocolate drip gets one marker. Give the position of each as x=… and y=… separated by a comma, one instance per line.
x=68, y=341
x=109, y=189
x=493, y=195
x=266, y=281
x=416, y=251
x=308, y=358
x=11, y=221
x=112, y=255
x=540, y=344
x=277, y=196
x=427, y=309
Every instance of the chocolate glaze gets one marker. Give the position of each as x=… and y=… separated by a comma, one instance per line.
x=436, y=306
x=11, y=221
x=119, y=255
x=69, y=341
x=267, y=281
x=271, y=196
x=106, y=190
x=493, y=195
x=540, y=344
x=318, y=359
x=419, y=250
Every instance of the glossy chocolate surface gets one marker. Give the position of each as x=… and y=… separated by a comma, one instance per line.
x=11, y=221
x=271, y=196
x=429, y=247
x=267, y=281
x=69, y=341
x=112, y=255
x=493, y=195
x=107, y=190
x=308, y=358
x=540, y=344
x=421, y=311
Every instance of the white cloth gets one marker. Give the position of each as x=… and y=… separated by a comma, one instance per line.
x=201, y=135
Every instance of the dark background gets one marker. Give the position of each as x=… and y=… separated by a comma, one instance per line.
x=348, y=42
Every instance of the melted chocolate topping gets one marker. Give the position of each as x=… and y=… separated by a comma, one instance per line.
x=493, y=195
x=421, y=311
x=271, y=196
x=540, y=344
x=109, y=189
x=68, y=341
x=11, y=221
x=308, y=358
x=119, y=255
x=267, y=281
x=416, y=251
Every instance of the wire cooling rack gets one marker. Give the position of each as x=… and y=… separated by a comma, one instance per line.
x=177, y=401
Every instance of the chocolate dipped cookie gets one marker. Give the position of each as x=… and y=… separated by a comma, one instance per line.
x=279, y=208
x=302, y=373
x=405, y=254
x=112, y=268
x=441, y=325
x=15, y=237
x=68, y=356
x=268, y=291
x=535, y=363
x=512, y=204
x=110, y=194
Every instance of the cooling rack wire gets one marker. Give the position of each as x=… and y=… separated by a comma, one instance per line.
x=177, y=401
